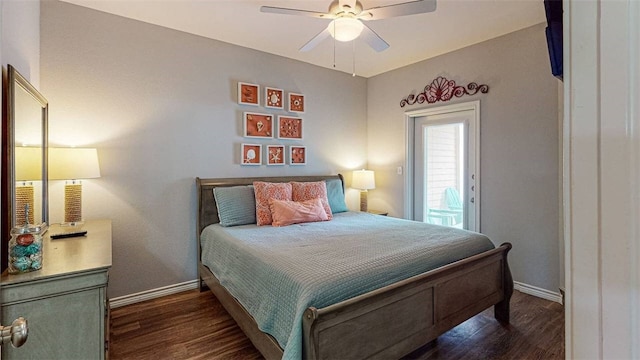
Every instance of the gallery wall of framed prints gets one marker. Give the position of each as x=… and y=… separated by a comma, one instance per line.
x=269, y=126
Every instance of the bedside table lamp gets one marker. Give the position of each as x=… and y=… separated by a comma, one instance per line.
x=72, y=165
x=363, y=180
x=28, y=162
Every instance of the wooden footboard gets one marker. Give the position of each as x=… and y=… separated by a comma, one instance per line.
x=395, y=320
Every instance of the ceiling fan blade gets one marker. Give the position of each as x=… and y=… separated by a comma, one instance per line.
x=316, y=40
x=374, y=40
x=285, y=11
x=402, y=9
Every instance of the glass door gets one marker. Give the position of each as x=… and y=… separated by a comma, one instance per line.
x=444, y=170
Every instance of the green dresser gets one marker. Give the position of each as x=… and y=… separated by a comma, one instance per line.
x=65, y=303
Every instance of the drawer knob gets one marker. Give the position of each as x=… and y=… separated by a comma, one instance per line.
x=17, y=333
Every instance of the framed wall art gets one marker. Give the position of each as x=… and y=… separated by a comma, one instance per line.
x=289, y=127
x=275, y=154
x=248, y=94
x=296, y=103
x=297, y=155
x=258, y=125
x=251, y=154
x=274, y=98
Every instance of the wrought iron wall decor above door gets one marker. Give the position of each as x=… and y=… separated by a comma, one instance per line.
x=442, y=89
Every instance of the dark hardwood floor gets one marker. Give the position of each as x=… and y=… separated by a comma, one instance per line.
x=193, y=325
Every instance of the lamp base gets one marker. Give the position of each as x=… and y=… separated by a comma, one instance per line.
x=24, y=196
x=363, y=201
x=73, y=202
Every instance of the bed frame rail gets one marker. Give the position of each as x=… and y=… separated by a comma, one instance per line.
x=266, y=344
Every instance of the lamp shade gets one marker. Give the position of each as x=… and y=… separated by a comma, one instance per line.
x=28, y=162
x=363, y=180
x=73, y=163
x=345, y=28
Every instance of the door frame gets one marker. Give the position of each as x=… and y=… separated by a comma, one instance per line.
x=410, y=120
x=602, y=179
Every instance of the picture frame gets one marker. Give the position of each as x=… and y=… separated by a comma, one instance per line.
x=257, y=125
x=296, y=103
x=248, y=94
x=273, y=98
x=297, y=155
x=275, y=155
x=251, y=154
x=290, y=127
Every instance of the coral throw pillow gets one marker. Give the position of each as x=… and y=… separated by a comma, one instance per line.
x=303, y=191
x=291, y=212
x=265, y=191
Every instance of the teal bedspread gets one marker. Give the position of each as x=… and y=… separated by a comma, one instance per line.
x=278, y=272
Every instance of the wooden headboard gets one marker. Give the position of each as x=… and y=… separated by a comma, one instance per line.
x=207, y=209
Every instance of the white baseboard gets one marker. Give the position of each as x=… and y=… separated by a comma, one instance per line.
x=152, y=294
x=538, y=292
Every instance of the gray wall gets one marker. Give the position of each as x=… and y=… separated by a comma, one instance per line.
x=519, y=143
x=160, y=107
x=20, y=45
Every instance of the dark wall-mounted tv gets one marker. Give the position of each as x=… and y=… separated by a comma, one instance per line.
x=553, y=9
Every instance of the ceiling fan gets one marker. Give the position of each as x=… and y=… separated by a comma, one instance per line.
x=347, y=16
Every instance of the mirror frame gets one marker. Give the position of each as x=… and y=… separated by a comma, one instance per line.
x=14, y=79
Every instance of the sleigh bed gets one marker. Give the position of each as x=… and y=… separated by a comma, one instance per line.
x=384, y=318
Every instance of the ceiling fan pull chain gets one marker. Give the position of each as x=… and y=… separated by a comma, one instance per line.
x=354, y=58
x=334, y=46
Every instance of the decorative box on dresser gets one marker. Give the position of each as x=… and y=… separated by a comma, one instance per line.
x=65, y=303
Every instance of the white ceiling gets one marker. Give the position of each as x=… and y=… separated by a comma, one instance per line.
x=454, y=25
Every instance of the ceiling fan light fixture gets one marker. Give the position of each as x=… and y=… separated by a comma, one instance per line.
x=345, y=28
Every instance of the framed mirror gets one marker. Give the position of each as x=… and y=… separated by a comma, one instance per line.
x=24, y=162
